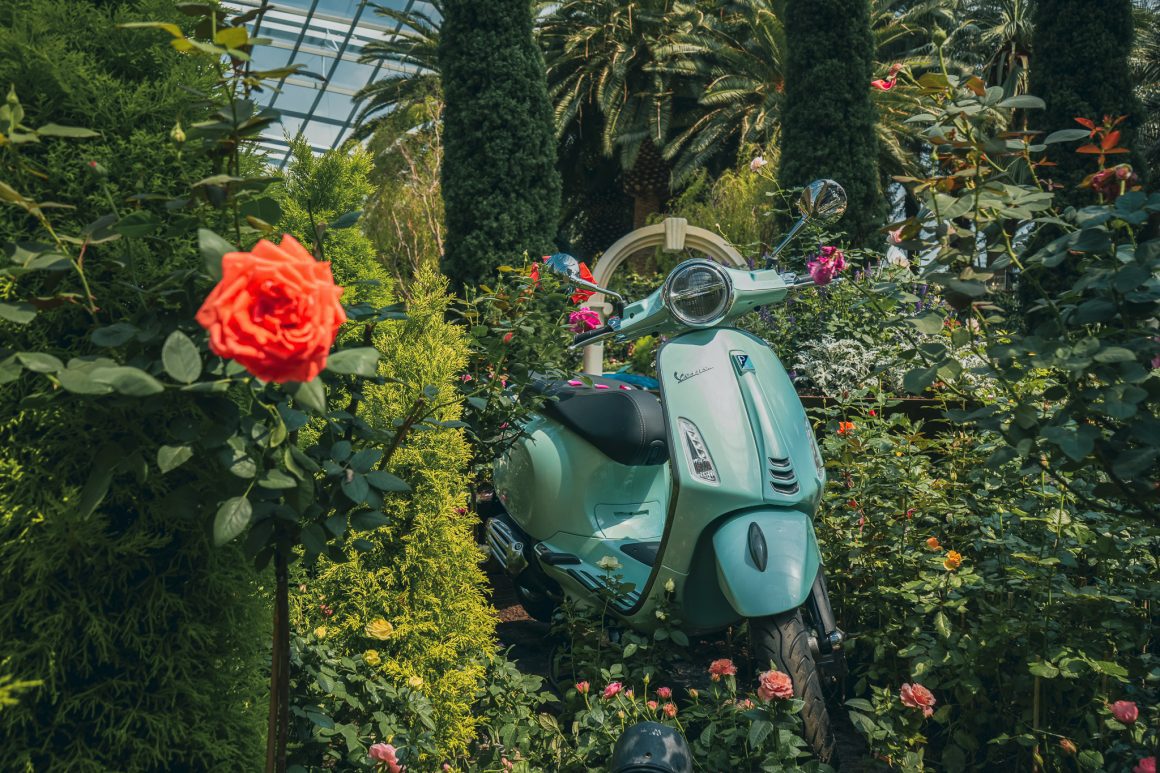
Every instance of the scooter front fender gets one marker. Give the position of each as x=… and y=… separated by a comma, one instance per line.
x=766, y=560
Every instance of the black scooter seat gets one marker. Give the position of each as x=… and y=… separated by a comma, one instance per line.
x=624, y=422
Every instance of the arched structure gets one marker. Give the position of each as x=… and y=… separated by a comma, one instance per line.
x=672, y=235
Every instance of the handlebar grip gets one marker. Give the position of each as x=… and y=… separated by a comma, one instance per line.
x=589, y=335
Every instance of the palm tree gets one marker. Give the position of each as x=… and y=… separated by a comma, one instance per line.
x=410, y=56
x=1146, y=75
x=605, y=57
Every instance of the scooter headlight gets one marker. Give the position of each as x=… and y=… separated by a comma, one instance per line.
x=698, y=293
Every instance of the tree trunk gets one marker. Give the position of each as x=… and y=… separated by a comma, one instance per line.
x=644, y=204
x=279, y=717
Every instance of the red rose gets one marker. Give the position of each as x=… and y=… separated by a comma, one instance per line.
x=275, y=311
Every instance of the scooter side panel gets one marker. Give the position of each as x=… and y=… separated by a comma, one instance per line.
x=766, y=560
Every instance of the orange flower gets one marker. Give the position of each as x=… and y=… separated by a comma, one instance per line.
x=932, y=543
x=845, y=427
x=275, y=311
x=953, y=560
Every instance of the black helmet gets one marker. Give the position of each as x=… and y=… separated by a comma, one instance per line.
x=650, y=747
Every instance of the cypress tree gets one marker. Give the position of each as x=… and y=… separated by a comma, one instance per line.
x=1080, y=68
x=828, y=116
x=501, y=189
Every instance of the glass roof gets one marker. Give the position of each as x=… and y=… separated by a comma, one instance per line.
x=327, y=36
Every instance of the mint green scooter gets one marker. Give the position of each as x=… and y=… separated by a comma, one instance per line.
x=709, y=488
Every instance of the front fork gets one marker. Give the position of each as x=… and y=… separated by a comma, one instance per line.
x=827, y=638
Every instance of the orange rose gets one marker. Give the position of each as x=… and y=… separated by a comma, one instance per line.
x=953, y=560
x=845, y=427
x=932, y=543
x=275, y=311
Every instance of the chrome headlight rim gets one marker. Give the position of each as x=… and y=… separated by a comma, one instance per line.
x=667, y=287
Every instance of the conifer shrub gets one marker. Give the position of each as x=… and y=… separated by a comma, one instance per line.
x=1080, y=69
x=150, y=643
x=419, y=571
x=828, y=116
x=501, y=189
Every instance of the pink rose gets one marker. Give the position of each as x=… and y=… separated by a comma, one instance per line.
x=664, y=693
x=652, y=705
x=757, y=163
x=895, y=236
x=1145, y=765
x=774, y=684
x=722, y=667
x=916, y=696
x=582, y=320
x=1125, y=711
x=385, y=753
x=612, y=689
x=582, y=688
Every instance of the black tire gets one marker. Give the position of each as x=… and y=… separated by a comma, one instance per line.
x=783, y=640
x=538, y=604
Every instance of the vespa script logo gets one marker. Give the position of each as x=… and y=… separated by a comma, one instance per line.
x=680, y=377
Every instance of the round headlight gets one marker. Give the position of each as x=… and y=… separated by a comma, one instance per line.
x=698, y=293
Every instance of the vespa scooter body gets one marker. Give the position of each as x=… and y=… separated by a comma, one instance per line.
x=724, y=512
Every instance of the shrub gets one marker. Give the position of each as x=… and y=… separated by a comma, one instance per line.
x=501, y=190
x=829, y=62
x=149, y=641
x=420, y=572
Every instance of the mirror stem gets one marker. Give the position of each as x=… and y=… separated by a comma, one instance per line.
x=786, y=240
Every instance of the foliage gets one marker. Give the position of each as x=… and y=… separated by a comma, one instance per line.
x=734, y=205
x=828, y=69
x=419, y=570
x=496, y=108
x=1072, y=40
x=410, y=56
x=1091, y=331
x=404, y=215
x=1045, y=617
x=148, y=641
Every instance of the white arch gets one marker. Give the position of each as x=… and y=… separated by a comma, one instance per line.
x=672, y=235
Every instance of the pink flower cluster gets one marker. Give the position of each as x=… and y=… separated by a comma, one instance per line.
x=385, y=753
x=829, y=262
x=774, y=684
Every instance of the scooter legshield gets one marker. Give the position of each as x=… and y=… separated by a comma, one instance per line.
x=766, y=561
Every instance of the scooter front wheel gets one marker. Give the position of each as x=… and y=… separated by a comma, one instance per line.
x=783, y=641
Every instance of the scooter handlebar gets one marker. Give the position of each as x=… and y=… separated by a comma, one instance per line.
x=582, y=338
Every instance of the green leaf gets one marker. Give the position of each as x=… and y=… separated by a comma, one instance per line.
x=917, y=380
x=231, y=520
x=368, y=520
x=80, y=382
x=100, y=477
x=362, y=361
x=171, y=457
x=133, y=382
x=310, y=394
x=113, y=335
x=139, y=223
x=1025, y=101
x=929, y=322
x=385, y=481
x=1067, y=135
x=314, y=538
x=1115, y=354
x=265, y=208
x=276, y=479
x=180, y=357
x=74, y=132
x=212, y=248
x=20, y=313
x=758, y=732
x=1090, y=759
x=1043, y=669
x=356, y=488
x=942, y=625
x=10, y=369
x=365, y=459
x=38, y=362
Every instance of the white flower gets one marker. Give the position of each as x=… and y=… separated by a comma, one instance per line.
x=661, y=615
x=670, y=586
x=757, y=163
x=608, y=564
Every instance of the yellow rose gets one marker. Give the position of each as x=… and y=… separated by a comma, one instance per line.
x=953, y=560
x=379, y=629
x=670, y=586
x=372, y=658
x=320, y=632
x=415, y=682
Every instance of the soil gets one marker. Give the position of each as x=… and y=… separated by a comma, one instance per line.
x=527, y=640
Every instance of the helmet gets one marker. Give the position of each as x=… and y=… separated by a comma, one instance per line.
x=650, y=747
